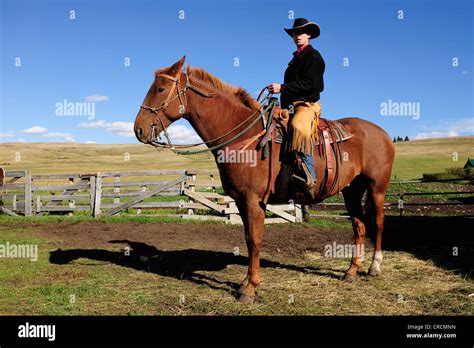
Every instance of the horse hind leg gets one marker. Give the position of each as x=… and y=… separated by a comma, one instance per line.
x=376, y=217
x=353, y=199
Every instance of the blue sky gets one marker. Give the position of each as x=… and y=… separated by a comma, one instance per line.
x=422, y=56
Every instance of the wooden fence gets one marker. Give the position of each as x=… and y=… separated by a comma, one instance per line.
x=400, y=203
x=193, y=193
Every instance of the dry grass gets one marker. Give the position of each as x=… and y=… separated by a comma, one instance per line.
x=413, y=158
x=408, y=286
x=49, y=158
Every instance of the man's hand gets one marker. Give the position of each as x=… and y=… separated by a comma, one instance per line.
x=274, y=88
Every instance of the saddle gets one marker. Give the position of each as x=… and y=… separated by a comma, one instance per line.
x=327, y=137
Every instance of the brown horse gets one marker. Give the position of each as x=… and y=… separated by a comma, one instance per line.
x=215, y=108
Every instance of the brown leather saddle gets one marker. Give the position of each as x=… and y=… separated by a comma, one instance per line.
x=328, y=135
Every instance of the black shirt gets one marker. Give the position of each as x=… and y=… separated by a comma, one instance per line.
x=303, y=78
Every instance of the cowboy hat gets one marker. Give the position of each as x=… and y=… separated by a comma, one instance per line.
x=303, y=25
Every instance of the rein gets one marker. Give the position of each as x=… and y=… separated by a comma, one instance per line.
x=181, y=95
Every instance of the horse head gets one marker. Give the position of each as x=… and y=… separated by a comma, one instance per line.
x=163, y=104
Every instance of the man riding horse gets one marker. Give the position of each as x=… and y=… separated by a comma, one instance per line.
x=303, y=82
x=200, y=98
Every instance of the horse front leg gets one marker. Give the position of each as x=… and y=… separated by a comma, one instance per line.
x=253, y=217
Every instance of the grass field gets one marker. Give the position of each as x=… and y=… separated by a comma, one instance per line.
x=413, y=158
x=190, y=269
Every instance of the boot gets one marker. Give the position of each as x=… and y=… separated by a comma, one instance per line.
x=304, y=181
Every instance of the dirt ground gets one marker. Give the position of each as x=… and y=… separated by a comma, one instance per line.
x=204, y=263
x=430, y=238
x=286, y=240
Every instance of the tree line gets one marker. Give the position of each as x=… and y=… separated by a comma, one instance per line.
x=396, y=139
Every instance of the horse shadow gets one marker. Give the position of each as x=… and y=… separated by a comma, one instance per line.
x=179, y=264
x=447, y=241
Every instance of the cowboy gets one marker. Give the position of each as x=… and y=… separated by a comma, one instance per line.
x=303, y=82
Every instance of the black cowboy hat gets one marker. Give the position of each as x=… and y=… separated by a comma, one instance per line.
x=303, y=25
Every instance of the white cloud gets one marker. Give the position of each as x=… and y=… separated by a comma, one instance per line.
x=95, y=124
x=90, y=142
x=44, y=132
x=462, y=125
x=124, y=129
x=21, y=140
x=436, y=134
x=35, y=130
x=60, y=136
x=6, y=135
x=447, y=128
x=180, y=134
x=96, y=98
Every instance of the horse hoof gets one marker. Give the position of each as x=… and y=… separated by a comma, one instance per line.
x=247, y=299
x=374, y=272
x=349, y=277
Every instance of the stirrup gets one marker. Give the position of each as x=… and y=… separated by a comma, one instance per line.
x=298, y=180
x=301, y=184
x=306, y=184
x=309, y=178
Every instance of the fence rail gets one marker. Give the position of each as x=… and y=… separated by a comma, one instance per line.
x=109, y=193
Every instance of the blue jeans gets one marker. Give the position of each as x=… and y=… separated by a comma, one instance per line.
x=309, y=161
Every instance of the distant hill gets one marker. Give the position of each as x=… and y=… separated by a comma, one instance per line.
x=413, y=158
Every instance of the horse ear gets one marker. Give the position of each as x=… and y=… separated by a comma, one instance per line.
x=177, y=66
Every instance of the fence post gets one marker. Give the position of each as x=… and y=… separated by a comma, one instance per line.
x=92, y=179
x=305, y=212
x=38, y=204
x=97, y=194
x=142, y=189
x=233, y=218
x=298, y=212
x=14, y=201
x=28, y=196
x=117, y=189
x=191, y=187
x=211, y=176
x=181, y=188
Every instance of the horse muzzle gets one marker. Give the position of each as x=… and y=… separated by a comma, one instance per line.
x=140, y=134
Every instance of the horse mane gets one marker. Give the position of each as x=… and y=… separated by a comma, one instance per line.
x=238, y=92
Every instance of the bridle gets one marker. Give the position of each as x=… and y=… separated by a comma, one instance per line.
x=181, y=95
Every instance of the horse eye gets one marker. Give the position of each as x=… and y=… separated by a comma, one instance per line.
x=160, y=89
